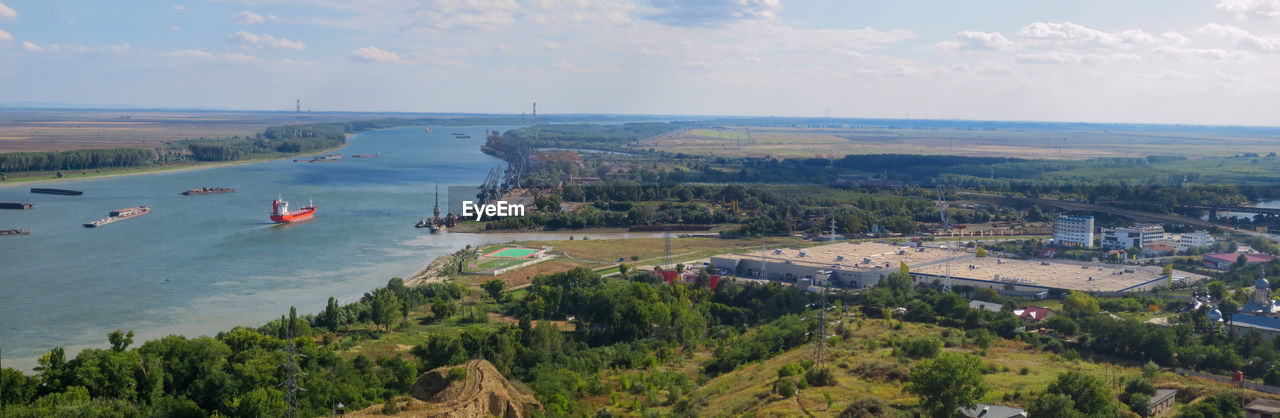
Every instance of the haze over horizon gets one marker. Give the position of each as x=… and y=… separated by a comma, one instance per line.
x=1145, y=61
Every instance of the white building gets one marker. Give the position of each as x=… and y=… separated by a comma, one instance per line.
x=1197, y=239
x=1073, y=231
x=1140, y=235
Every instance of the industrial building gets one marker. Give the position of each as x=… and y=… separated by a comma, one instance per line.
x=1194, y=240
x=851, y=265
x=1073, y=231
x=1030, y=276
x=1140, y=236
x=861, y=265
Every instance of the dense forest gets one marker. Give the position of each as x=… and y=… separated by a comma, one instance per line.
x=84, y=159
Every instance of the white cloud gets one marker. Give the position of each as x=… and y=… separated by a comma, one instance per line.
x=237, y=57
x=5, y=36
x=30, y=47
x=1245, y=8
x=1175, y=38
x=374, y=54
x=194, y=53
x=175, y=28
x=6, y=13
x=1243, y=38
x=1071, y=34
x=205, y=55
x=1189, y=54
x=1068, y=57
x=712, y=12
x=179, y=7
x=563, y=65
x=264, y=41
x=977, y=41
x=251, y=18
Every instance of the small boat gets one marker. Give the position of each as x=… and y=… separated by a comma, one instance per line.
x=7, y=205
x=280, y=212
x=119, y=215
x=376, y=154
x=64, y=192
x=463, y=137
x=4, y=232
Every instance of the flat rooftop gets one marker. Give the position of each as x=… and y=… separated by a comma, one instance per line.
x=856, y=256
x=1073, y=275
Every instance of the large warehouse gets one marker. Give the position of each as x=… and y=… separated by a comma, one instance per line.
x=859, y=265
x=849, y=265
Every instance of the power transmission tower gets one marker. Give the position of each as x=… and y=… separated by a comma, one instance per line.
x=666, y=246
x=820, y=350
x=290, y=383
x=297, y=118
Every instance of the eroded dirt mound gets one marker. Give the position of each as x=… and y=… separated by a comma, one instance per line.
x=483, y=392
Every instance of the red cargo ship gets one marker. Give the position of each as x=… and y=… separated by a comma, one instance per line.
x=280, y=212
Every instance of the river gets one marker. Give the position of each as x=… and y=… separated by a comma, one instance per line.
x=200, y=264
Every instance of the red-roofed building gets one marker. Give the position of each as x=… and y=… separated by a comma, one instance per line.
x=688, y=277
x=1049, y=253
x=1158, y=249
x=1223, y=261
x=1033, y=313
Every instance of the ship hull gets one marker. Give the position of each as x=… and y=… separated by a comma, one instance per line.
x=120, y=215
x=64, y=192
x=300, y=215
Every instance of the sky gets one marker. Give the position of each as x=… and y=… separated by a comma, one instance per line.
x=1149, y=61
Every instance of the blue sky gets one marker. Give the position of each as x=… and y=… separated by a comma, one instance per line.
x=1165, y=61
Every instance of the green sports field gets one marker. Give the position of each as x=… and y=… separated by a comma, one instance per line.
x=513, y=252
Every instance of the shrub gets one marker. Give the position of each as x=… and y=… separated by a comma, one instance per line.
x=820, y=376
x=785, y=388
x=926, y=346
x=457, y=373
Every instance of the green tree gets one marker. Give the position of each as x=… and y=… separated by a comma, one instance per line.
x=1242, y=261
x=986, y=294
x=119, y=340
x=386, y=308
x=950, y=381
x=1088, y=396
x=1079, y=303
x=1150, y=371
x=1218, y=290
x=494, y=287
x=980, y=253
x=1216, y=406
x=1053, y=405
x=332, y=315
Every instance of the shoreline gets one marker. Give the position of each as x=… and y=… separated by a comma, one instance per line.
x=158, y=170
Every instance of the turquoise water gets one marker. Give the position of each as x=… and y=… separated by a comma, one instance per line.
x=199, y=264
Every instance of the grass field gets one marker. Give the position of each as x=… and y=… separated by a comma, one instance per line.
x=61, y=130
x=1066, y=143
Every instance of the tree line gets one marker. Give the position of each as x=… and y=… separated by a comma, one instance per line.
x=83, y=159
